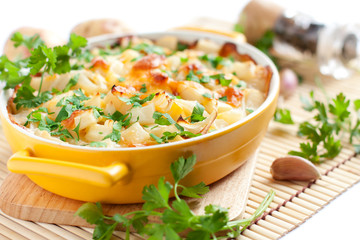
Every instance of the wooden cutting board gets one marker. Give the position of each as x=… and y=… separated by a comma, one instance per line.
x=21, y=198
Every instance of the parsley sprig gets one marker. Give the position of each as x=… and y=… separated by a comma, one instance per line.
x=42, y=60
x=175, y=215
x=332, y=121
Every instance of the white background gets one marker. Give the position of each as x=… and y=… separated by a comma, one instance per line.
x=338, y=220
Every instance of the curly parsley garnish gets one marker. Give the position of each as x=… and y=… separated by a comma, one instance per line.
x=43, y=60
x=325, y=131
x=175, y=215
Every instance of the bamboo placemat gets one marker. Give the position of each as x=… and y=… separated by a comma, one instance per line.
x=294, y=202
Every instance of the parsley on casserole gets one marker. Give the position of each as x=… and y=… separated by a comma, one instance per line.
x=140, y=92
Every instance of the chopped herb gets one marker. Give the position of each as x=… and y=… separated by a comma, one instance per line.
x=163, y=118
x=98, y=144
x=115, y=135
x=241, y=84
x=192, y=77
x=116, y=116
x=96, y=113
x=224, y=99
x=182, y=46
x=102, y=95
x=137, y=58
x=249, y=110
x=148, y=48
x=121, y=79
x=205, y=79
x=156, y=138
x=136, y=101
x=63, y=134
x=64, y=113
x=143, y=88
x=35, y=116
x=72, y=82
x=222, y=80
x=25, y=97
x=207, y=95
x=197, y=113
x=214, y=61
x=238, y=28
x=184, y=60
x=283, y=116
x=76, y=130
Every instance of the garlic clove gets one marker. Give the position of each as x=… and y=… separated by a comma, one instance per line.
x=294, y=168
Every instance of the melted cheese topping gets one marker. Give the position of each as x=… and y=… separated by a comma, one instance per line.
x=143, y=93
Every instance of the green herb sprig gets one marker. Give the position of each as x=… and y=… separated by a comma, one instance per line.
x=175, y=215
x=325, y=132
x=42, y=60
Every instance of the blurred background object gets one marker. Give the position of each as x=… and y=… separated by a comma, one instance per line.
x=335, y=46
x=96, y=27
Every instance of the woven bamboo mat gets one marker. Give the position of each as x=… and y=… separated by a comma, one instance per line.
x=294, y=202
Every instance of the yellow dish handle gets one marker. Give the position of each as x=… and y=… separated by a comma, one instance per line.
x=22, y=162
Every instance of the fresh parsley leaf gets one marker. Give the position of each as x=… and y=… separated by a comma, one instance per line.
x=184, y=60
x=222, y=80
x=195, y=191
x=76, y=130
x=27, y=41
x=143, y=88
x=214, y=61
x=330, y=121
x=192, y=77
x=91, y=212
x=156, y=138
x=224, y=99
x=25, y=97
x=175, y=217
x=197, y=113
x=157, y=198
x=76, y=44
x=42, y=57
x=63, y=134
x=136, y=100
x=13, y=73
x=115, y=135
x=182, y=46
x=357, y=104
x=72, y=82
x=182, y=167
x=64, y=113
x=283, y=115
x=163, y=118
x=204, y=79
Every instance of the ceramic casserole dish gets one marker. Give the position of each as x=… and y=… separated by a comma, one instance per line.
x=118, y=175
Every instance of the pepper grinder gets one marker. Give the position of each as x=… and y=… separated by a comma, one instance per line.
x=335, y=47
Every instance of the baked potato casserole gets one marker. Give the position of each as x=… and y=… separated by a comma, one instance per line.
x=140, y=92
